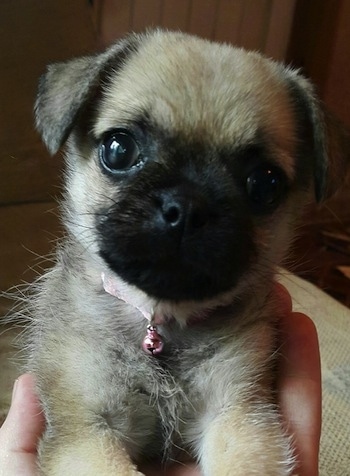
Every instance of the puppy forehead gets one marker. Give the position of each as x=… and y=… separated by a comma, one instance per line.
x=202, y=90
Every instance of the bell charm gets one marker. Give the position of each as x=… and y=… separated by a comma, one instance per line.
x=152, y=344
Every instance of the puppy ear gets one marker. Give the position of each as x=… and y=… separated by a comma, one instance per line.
x=66, y=87
x=63, y=89
x=328, y=141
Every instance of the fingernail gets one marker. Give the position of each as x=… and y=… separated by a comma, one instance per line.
x=14, y=390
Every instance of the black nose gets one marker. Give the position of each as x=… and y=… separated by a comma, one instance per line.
x=184, y=211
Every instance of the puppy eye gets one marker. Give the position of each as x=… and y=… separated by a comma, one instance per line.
x=266, y=186
x=119, y=151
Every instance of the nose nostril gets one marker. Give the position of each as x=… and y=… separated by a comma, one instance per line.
x=185, y=212
x=172, y=214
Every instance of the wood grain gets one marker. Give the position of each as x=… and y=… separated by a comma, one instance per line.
x=28, y=233
x=32, y=34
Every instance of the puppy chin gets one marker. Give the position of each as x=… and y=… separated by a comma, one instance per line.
x=160, y=311
x=183, y=267
x=118, y=288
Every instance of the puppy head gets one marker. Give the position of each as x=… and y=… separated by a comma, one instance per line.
x=188, y=161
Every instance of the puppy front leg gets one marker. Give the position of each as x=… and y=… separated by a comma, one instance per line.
x=246, y=442
x=89, y=453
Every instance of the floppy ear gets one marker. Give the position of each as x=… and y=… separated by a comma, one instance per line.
x=66, y=87
x=329, y=141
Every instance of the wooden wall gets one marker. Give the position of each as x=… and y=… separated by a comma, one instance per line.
x=255, y=24
x=32, y=34
x=320, y=46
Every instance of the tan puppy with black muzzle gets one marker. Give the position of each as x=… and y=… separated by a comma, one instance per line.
x=153, y=337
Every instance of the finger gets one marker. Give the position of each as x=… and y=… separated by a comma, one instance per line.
x=283, y=299
x=21, y=430
x=183, y=470
x=190, y=469
x=300, y=388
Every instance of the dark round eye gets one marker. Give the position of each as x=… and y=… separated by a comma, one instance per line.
x=119, y=151
x=266, y=186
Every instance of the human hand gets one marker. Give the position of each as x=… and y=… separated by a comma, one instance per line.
x=299, y=387
x=299, y=383
x=21, y=430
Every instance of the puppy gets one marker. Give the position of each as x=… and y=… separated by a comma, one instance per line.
x=153, y=336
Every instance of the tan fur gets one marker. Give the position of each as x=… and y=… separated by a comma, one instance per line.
x=231, y=108
x=105, y=401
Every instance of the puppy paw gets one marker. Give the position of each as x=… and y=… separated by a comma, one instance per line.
x=97, y=455
x=246, y=445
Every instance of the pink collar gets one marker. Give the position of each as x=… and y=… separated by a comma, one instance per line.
x=152, y=343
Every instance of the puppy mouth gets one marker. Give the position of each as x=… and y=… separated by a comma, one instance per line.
x=187, y=313
x=194, y=271
x=168, y=279
x=177, y=244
